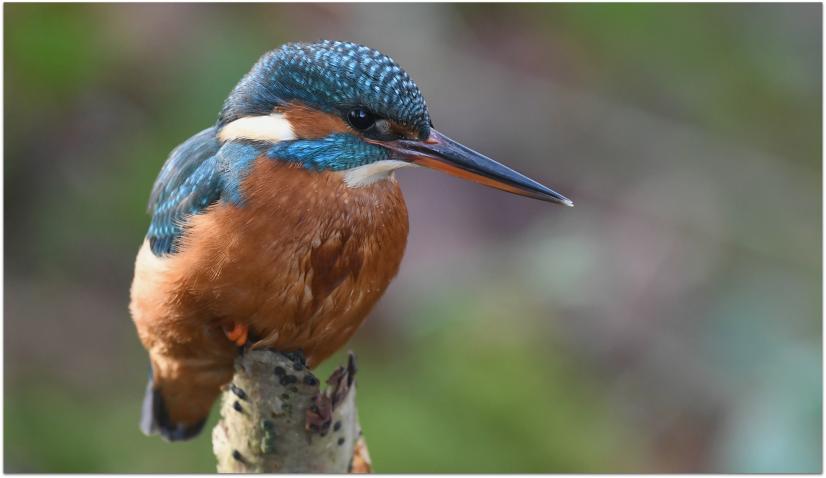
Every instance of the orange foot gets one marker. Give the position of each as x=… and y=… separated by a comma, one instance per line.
x=237, y=333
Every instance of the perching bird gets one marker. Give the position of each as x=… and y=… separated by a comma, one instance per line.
x=282, y=225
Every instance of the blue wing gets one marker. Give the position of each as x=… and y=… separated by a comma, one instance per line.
x=189, y=181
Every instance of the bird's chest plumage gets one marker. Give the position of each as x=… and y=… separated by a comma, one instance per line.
x=302, y=261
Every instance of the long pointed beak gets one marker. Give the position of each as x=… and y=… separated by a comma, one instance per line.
x=442, y=153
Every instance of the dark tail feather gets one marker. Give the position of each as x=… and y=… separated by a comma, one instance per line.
x=155, y=418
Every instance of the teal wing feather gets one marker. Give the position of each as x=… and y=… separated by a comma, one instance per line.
x=188, y=183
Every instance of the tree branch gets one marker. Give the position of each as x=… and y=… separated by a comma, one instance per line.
x=276, y=419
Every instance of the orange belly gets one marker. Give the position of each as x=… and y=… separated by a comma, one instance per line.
x=301, y=263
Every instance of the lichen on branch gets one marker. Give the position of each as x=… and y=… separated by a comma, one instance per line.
x=275, y=418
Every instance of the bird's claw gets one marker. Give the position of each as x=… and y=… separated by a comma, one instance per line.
x=237, y=333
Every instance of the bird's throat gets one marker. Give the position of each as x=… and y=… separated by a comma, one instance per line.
x=368, y=174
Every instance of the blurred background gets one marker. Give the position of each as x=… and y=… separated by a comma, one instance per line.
x=670, y=322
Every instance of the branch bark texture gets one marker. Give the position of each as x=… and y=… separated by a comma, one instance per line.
x=276, y=418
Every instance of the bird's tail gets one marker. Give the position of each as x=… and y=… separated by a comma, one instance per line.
x=155, y=419
x=176, y=408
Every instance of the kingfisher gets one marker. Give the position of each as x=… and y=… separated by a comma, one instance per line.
x=282, y=225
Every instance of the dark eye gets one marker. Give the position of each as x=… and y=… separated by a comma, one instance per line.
x=361, y=119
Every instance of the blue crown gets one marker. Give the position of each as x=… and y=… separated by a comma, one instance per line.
x=331, y=76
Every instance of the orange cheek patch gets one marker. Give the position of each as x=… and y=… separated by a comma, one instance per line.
x=310, y=123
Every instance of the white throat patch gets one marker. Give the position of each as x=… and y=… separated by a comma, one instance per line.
x=370, y=173
x=273, y=128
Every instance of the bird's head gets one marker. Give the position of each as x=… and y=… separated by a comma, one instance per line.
x=341, y=106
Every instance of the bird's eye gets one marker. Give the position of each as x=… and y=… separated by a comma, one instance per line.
x=361, y=119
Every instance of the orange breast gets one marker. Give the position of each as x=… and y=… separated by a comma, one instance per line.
x=302, y=262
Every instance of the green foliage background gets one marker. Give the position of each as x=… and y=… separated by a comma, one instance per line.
x=670, y=322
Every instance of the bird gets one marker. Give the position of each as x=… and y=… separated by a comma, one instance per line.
x=282, y=225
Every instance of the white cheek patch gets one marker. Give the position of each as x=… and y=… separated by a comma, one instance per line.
x=370, y=173
x=272, y=128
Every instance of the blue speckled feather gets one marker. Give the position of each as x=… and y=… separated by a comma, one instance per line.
x=335, y=152
x=187, y=183
x=181, y=163
x=332, y=76
x=197, y=174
